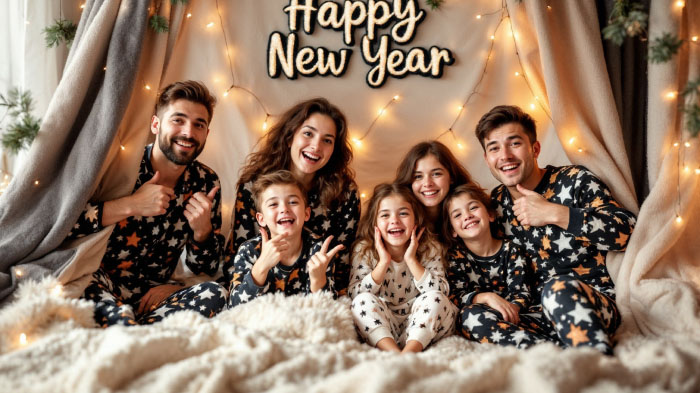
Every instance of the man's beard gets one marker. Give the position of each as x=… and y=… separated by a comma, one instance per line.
x=170, y=154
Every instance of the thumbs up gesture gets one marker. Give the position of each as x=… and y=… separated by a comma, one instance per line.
x=532, y=209
x=318, y=263
x=198, y=213
x=151, y=199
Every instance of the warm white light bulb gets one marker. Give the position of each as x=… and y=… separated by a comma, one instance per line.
x=517, y=73
x=357, y=142
x=493, y=37
x=671, y=95
x=580, y=150
x=380, y=112
x=687, y=144
x=532, y=106
x=22, y=339
x=363, y=195
x=478, y=16
x=694, y=38
x=122, y=147
x=189, y=15
x=679, y=219
x=697, y=171
x=57, y=290
x=680, y=4
x=147, y=87
x=396, y=97
x=264, y=125
x=571, y=141
x=36, y=182
x=675, y=144
x=210, y=24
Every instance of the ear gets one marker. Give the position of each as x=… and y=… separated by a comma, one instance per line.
x=454, y=234
x=491, y=218
x=259, y=217
x=307, y=213
x=155, y=125
x=536, y=147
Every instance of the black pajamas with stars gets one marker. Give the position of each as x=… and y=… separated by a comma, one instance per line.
x=504, y=273
x=340, y=222
x=289, y=280
x=571, y=279
x=143, y=253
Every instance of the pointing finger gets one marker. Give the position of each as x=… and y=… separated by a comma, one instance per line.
x=326, y=243
x=334, y=251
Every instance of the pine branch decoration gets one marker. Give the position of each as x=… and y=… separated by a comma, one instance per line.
x=159, y=24
x=663, y=48
x=626, y=20
x=62, y=30
x=434, y=4
x=24, y=126
x=691, y=108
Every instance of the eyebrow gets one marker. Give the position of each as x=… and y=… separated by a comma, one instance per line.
x=314, y=128
x=509, y=138
x=180, y=114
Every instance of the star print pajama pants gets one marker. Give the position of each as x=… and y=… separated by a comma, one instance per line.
x=431, y=317
x=207, y=298
x=573, y=314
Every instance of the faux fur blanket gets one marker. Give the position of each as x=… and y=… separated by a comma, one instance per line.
x=299, y=344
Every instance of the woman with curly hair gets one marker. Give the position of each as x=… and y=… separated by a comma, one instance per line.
x=311, y=141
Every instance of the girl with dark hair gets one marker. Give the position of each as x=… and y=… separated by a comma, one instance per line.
x=310, y=140
x=430, y=170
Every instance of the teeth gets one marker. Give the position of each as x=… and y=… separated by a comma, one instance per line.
x=471, y=224
x=285, y=221
x=429, y=193
x=184, y=144
x=509, y=167
x=395, y=231
x=311, y=156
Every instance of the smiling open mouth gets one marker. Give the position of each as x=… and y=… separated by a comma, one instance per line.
x=430, y=193
x=311, y=156
x=285, y=221
x=396, y=232
x=509, y=167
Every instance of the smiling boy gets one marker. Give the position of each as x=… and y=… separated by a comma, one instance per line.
x=288, y=260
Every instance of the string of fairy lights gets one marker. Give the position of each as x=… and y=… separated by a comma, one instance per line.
x=682, y=145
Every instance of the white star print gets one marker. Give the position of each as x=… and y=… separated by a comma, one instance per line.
x=564, y=194
x=241, y=233
x=496, y=336
x=564, y=242
x=550, y=302
x=593, y=186
x=472, y=321
x=519, y=336
x=596, y=224
x=244, y=296
x=207, y=294
x=580, y=314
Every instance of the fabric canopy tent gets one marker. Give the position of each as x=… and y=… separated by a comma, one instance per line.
x=562, y=81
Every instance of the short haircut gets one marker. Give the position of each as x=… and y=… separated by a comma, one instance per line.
x=281, y=177
x=475, y=191
x=193, y=91
x=502, y=115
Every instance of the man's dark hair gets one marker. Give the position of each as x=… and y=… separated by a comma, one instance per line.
x=186, y=90
x=502, y=115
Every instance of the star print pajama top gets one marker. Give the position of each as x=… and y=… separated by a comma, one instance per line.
x=289, y=280
x=505, y=273
x=570, y=275
x=401, y=307
x=323, y=222
x=143, y=252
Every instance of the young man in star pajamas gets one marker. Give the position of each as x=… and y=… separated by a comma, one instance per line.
x=566, y=220
x=175, y=204
x=290, y=259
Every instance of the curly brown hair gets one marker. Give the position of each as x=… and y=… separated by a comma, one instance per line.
x=333, y=179
x=364, y=244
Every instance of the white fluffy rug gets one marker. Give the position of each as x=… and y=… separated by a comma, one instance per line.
x=300, y=344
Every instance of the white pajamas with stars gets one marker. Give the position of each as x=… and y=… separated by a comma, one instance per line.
x=401, y=307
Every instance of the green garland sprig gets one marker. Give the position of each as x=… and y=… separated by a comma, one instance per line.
x=62, y=30
x=434, y=4
x=23, y=127
x=158, y=23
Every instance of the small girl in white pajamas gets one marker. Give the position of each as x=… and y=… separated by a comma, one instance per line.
x=398, y=283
